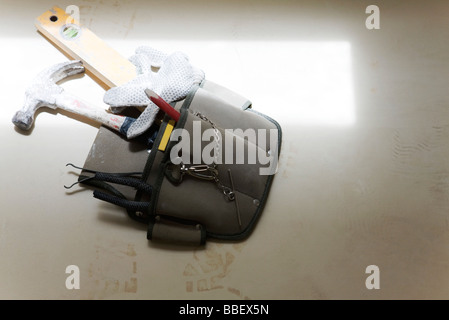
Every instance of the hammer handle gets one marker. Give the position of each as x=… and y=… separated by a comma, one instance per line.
x=73, y=104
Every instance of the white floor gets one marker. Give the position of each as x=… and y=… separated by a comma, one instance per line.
x=363, y=175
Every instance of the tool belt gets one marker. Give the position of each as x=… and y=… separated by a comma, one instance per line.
x=192, y=184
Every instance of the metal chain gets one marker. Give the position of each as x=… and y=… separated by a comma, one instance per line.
x=206, y=171
x=217, y=134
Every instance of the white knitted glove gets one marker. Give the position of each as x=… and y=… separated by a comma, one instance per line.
x=172, y=81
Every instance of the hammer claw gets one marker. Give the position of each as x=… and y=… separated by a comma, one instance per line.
x=61, y=71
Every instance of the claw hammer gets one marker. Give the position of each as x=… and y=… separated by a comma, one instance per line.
x=105, y=65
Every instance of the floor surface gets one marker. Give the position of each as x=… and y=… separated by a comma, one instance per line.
x=363, y=175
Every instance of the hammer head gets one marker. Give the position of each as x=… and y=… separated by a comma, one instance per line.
x=44, y=90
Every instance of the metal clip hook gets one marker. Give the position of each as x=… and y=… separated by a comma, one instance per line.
x=209, y=173
x=229, y=194
x=201, y=171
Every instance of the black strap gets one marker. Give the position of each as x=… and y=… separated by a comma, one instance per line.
x=128, y=204
x=126, y=181
x=129, y=179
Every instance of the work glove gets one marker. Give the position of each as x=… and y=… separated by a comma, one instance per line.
x=170, y=76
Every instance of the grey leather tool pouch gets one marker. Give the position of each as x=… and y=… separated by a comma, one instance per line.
x=210, y=180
